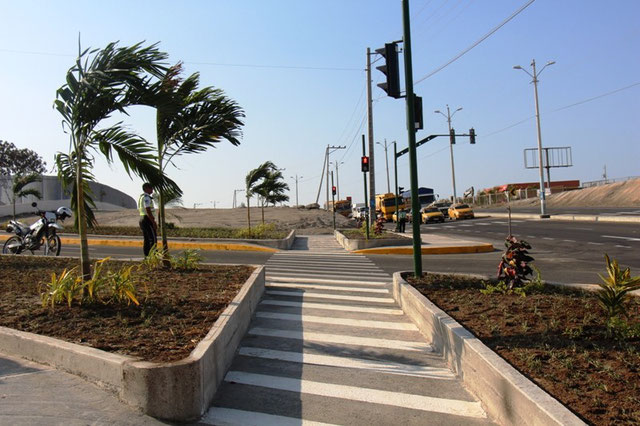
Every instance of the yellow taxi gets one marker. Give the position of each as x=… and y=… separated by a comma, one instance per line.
x=431, y=214
x=460, y=211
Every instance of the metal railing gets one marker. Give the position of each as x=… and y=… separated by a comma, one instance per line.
x=606, y=181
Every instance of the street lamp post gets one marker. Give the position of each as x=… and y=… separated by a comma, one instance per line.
x=534, y=76
x=296, y=178
x=448, y=116
x=386, y=160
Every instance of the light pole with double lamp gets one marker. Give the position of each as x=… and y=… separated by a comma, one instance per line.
x=386, y=160
x=449, y=116
x=296, y=178
x=534, y=76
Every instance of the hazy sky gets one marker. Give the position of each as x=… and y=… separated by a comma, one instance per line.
x=297, y=69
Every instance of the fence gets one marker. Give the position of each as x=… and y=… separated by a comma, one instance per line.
x=606, y=181
x=521, y=194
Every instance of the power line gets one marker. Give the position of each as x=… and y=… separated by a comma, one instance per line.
x=483, y=38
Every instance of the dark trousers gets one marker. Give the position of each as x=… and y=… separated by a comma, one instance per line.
x=403, y=223
x=148, y=233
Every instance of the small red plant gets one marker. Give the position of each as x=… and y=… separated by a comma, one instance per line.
x=514, y=266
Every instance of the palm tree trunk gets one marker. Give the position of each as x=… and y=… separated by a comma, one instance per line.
x=85, y=262
x=161, y=220
x=249, y=216
x=14, y=206
x=262, y=211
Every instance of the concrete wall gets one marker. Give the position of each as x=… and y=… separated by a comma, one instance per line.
x=54, y=196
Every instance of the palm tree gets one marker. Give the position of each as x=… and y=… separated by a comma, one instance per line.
x=100, y=83
x=272, y=189
x=19, y=189
x=253, y=180
x=189, y=121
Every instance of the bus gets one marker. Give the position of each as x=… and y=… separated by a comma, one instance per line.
x=386, y=205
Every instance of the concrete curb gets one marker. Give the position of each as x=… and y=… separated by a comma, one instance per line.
x=176, y=391
x=177, y=244
x=508, y=396
x=475, y=248
x=352, y=244
x=571, y=217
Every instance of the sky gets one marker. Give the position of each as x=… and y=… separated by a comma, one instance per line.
x=297, y=68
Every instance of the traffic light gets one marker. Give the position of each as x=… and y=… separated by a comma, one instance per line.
x=333, y=190
x=365, y=164
x=400, y=189
x=452, y=136
x=472, y=135
x=417, y=109
x=390, y=69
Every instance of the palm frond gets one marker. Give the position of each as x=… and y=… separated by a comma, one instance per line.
x=66, y=166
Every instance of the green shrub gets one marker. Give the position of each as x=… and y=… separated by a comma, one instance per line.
x=615, y=287
x=63, y=287
x=155, y=257
x=188, y=260
x=122, y=286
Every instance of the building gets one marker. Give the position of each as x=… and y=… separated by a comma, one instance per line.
x=54, y=196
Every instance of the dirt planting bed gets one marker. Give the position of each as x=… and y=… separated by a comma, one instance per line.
x=177, y=308
x=557, y=338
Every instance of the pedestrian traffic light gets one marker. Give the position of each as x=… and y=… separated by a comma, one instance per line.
x=417, y=110
x=452, y=136
x=390, y=69
x=472, y=135
x=333, y=190
x=365, y=164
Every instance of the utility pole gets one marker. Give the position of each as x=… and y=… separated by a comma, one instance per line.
x=543, y=200
x=372, y=170
x=451, y=142
x=296, y=178
x=337, y=163
x=386, y=160
x=235, y=203
x=333, y=203
x=411, y=129
x=364, y=173
x=395, y=173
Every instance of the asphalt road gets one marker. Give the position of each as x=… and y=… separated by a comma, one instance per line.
x=598, y=211
x=569, y=252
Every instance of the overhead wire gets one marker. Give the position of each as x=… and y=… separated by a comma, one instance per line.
x=483, y=38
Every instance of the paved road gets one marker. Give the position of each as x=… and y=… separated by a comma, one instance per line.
x=328, y=344
x=564, y=251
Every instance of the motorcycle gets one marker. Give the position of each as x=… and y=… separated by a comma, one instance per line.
x=40, y=235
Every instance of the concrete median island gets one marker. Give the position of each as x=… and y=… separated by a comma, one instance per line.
x=176, y=391
x=352, y=244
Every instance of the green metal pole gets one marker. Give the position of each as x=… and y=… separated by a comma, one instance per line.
x=366, y=193
x=333, y=202
x=395, y=172
x=411, y=128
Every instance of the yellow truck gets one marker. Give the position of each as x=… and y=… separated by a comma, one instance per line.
x=386, y=205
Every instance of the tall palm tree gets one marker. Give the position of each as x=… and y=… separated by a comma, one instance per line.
x=272, y=189
x=189, y=121
x=101, y=82
x=19, y=190
x=253, y=180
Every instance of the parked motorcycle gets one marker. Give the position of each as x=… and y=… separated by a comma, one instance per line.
x=41, y=235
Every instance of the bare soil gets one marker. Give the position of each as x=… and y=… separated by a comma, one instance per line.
x=176, y=311
x=556, y=338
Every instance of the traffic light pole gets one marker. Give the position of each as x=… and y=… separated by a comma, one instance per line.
x=367, y=208
x=411, y=129
x=395, y=172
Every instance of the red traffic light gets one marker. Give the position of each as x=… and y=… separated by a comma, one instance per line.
x=365, y=164
x=333, y=190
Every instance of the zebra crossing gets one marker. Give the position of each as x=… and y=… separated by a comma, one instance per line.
x=328, y=345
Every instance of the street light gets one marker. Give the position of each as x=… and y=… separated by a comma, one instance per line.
x=386, y=160
x=534, y=76
x=449, y=116
x=337, y=163
x=296, y=178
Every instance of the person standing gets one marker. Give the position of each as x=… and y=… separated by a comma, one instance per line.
x=147, y=221
x=402, y=220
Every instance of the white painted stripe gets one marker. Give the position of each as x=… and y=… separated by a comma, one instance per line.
x=384, y=325
x=362, y=364
x=621, y=246
x=305, y=263
x=330, y=307
x=341, y=284
x=231, y=417
x=595, y=244
x=317, y=280
x=621, y=238
x=353, y=393
x=342, y=339
x=331, y=296
x=569, y=241
x=328, y=287
x=327, y=270
x=548, y=238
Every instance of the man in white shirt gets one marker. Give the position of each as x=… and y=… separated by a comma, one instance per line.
x=147, y=221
